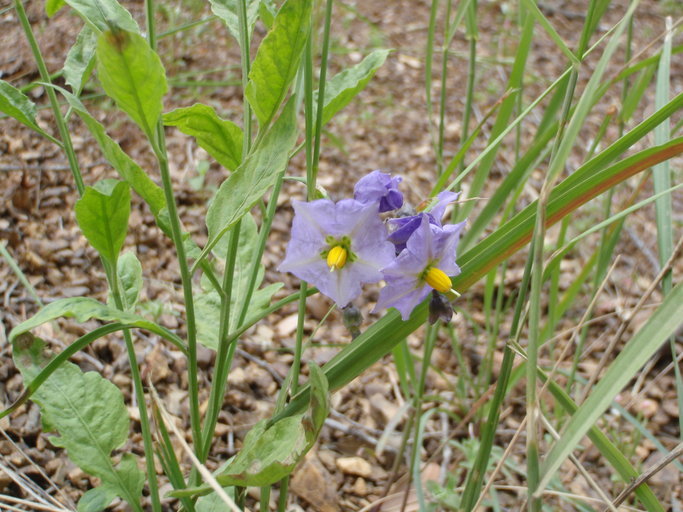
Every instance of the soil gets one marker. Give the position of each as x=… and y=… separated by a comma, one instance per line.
x=386, y=127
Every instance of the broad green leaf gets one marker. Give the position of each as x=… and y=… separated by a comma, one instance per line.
x=344, y=86
x=102, y=214
x=267, y=12
x=52, y=6
x=16, y=104
x=645, y=343
x=277, y=59
x=220, y=138
x=85, y=308
x=272, y=451
x=213, y=502
x=249, y=182
x=226, y=10
x=96, y=499
x=208, y=304
x=129, y=171
x=129, y=270
x=80, y=60
x=132, y=74
x=104, y=15
x=89, y=416
x=320, y=402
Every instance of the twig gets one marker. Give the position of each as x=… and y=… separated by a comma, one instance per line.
x=649, y=473
x=617, y=337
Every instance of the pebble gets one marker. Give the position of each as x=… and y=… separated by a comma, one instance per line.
x=354, y=466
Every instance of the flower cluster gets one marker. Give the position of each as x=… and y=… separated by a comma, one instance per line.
x=340, y=246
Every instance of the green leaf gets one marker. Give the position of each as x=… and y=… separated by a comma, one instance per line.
x=52, y=6
x=102, y=214
x=104, y=15
x=277, y=59
x=96, y=499
x=271, y=452
x=129, y=270
x=129, y=171
x=16, y=104
x=344, y=86
x=132, y=74
x=83, y=309
x=320, y=402
x=89, y=416
x=226, y=10
x=220, y=138
x=644, y=344
x=267, y=12
x=249, y=182
x=635, y=93
x=208, y=304
x=80, y=60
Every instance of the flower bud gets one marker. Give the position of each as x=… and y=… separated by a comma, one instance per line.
x=439, y=308
x=352, y=319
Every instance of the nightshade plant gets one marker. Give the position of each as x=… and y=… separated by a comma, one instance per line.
x=340, y=246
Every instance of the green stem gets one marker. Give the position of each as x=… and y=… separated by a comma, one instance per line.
x=52, y=95
x=186, y=280
x=469, y=94
x=226, y=347
x=442, y=94
x=321, y=89
x=430, y=341
x=148, y=444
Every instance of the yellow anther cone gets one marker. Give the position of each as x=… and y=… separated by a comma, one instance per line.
x=437, y=279
x=336, y=258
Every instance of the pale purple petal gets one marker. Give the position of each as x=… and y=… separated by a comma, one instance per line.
x=379, y=187
x=429, y=245
x=403, y=294
x=443, y=199
x=314, y=222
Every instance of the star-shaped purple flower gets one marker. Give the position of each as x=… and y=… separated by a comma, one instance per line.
x=403, y=227
x=379, y=186
x=337, y=247
x=430, y=252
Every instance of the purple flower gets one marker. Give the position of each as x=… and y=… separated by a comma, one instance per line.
x=424, y=265
x=379, y=186
x=405, y=226
x=337, y=247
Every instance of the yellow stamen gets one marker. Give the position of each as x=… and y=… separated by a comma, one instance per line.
x=336, y=258
x=437, y=279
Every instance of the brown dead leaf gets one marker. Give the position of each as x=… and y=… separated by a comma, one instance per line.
x=312, y=482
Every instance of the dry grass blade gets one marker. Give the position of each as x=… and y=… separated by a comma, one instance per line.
x=649, y=473
x=28, y=503
x=499, y=466
x=206, y=474
x=622, y=329
x=581, y=469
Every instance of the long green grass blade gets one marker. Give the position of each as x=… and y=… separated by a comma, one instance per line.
x=644, y=344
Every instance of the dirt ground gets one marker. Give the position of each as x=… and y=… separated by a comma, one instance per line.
x=385, y=128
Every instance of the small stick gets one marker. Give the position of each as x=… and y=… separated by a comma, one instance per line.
x=649, y=473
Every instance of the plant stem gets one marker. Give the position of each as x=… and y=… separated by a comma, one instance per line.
x=186, y=280
x=226, y=348
x=148, y=444
x=52, y=95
